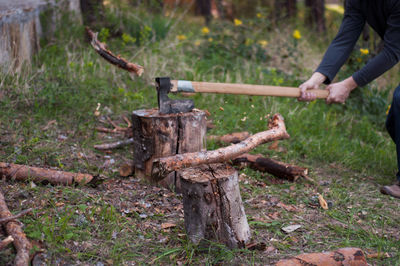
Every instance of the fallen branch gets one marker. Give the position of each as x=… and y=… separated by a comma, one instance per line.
x=235, y=137
x=343, y=256
x=118, y=61
x=278, y=169
x=24, y=173
x=5, y=242
x=21, y=243
x=163, y=166
x=114, y=145
x=15, y=217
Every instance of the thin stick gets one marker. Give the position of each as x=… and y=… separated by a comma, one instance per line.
x=15, y=217
x=5, y=242
x=114, y=145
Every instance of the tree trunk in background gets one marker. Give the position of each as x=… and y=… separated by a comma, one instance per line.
x=203, y=7
x=315, y=17
x=92, y=12
x=284, y=9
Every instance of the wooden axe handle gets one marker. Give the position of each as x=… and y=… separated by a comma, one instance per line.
x=245, y=89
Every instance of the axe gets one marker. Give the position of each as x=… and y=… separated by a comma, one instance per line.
x=168, y=106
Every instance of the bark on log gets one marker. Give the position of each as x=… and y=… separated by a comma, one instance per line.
x=161, y=167
x=21, y=243
x=114, y=145
x=15, y=217
x=158, y=135
x=235, y=137
x=5, y=242
x=213, y=206
x=24, y=173
x=278, y=169
x=340, y=257
x=118, y=61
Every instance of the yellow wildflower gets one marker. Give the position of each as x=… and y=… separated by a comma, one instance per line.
x=387, y=111
x=259, y=15
x=359, y=59
x=197, y=43
x=263, y=43
x=364, y=51
x=248, y=42
x=205, y=30
x=297, y=34
x=210, y=39
x=237, y=22
x=181, y=37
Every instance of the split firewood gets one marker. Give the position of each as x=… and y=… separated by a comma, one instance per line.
x=163, y=166
x=5, y=242
x=24, y=173
x=118, y=61
x=340, y=257
x=114, y=145
x=273, y=167
x=21, y=243
x=15, y=217
x=235, y=137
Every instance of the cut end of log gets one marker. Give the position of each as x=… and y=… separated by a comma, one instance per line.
x=83, y=178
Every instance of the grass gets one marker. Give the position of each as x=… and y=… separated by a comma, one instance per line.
x=47, y=119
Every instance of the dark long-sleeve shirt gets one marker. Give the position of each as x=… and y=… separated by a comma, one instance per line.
x=384, y=17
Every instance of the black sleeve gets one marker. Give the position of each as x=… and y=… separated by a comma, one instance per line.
x=390, y=54
x=343, y=44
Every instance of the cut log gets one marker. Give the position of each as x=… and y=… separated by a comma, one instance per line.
x=114, y=145
x=340, y=257
x=158, y=135
x=25, y=173
x=273, y=167
x=118, y=61
x=15, y=217
x=163, y=166
x=213, y=206
x=21, y=243
x=5, y=242
x=235, y=137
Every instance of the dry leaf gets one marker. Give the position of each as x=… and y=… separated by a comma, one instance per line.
x=221, y=108
x=289, y=208
x=291, y=228
x=378, y=255
x=322, y=202
x=167, y=225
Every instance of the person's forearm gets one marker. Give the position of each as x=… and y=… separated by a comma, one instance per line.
x=318, y=78
x=350, y=83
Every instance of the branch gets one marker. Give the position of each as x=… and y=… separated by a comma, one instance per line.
x=114, y=145
x=21, y=243
x=15, y=217
x=24, y=172
x=5, y=242
x=118, y=61
x=163, y=166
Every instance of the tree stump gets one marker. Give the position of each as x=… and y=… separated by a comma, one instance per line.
x=158, y=135
x=213, y=206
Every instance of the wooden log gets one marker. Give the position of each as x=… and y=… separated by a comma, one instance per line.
x=340, y=257
x=21, y=243
x=212, y=205
x=5, y=242
x=161, y=167
x=276, y=168
x=235, y=137
x=118, y=61
x=158, y=135
x=25, y=173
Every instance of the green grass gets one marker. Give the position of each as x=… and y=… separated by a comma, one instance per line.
x=345, y=145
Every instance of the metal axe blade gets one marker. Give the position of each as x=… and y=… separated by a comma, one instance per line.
x=167, y=105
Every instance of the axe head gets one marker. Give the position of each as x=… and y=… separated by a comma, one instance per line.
x=167, y=105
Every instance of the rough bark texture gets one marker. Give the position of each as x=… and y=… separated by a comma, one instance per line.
x=213, y=206
x=235, y=137
x=278, y=169
x=24, y=173
x=156, y=135
x=118, y=61
x=21, y=243
x=161, y=167
x=340, y=257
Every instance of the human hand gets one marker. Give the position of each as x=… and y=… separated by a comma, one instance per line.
x=311, y=84
x=340, y=91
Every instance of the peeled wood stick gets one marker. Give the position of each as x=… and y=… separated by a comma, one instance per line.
x=24, y=173
x=278, y=169
x=5, y=242
x=21, y=243
x=15, y=217
x=163, y=166
x=235, y=137
x=114, y=145
x=118, y=61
